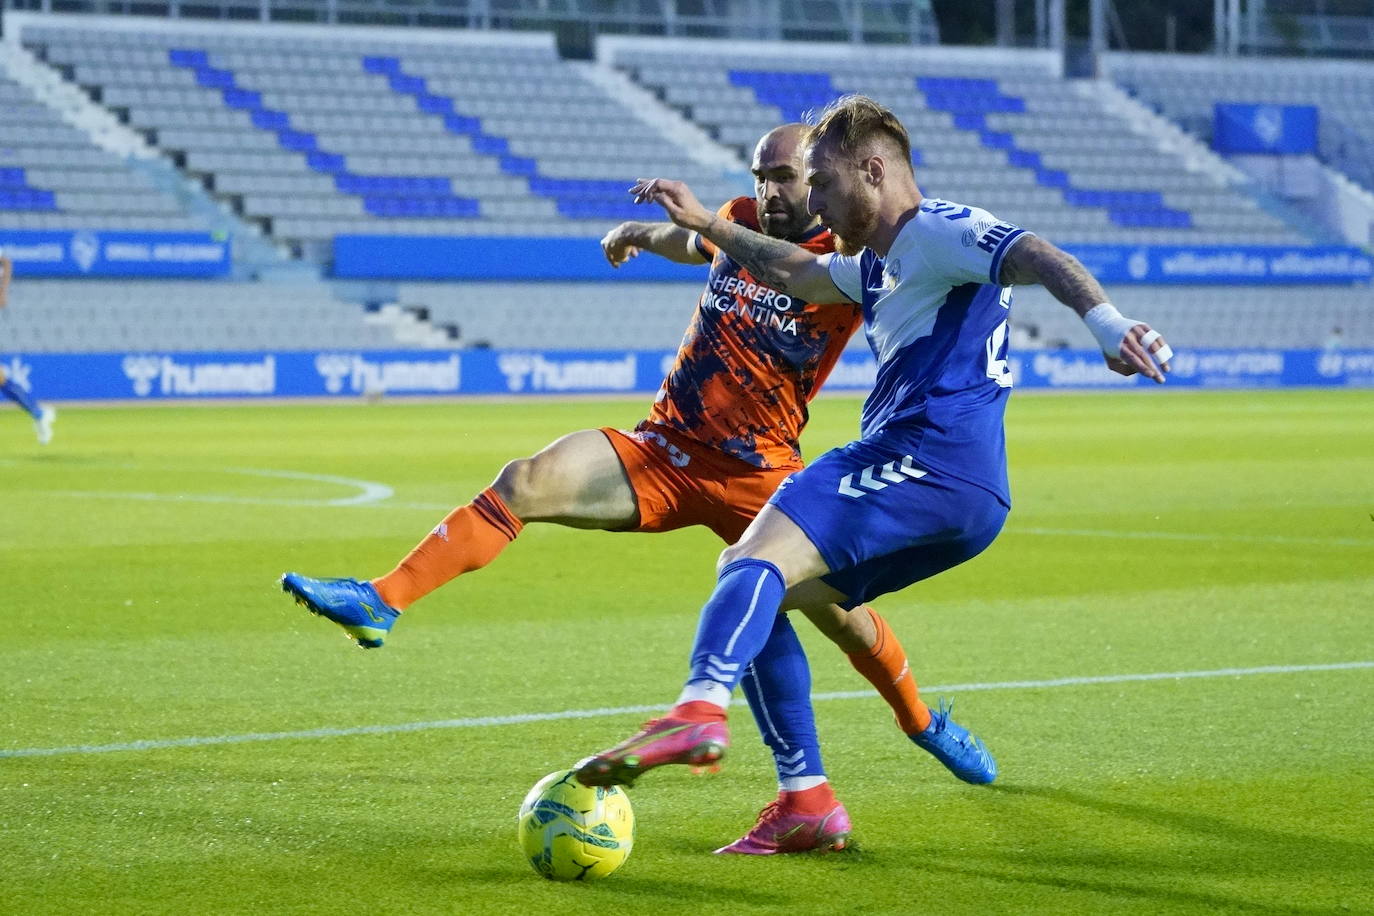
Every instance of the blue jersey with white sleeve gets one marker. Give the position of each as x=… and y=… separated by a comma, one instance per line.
x=936, y=318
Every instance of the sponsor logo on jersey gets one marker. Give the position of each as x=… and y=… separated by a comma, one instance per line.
x=892, y=274
x=760, y=303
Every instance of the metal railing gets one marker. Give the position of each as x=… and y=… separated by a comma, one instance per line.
x=868, y=21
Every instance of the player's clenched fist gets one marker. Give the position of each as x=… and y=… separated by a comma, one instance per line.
x=618, y=246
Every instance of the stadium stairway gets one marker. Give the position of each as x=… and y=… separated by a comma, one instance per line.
x=317, y=132
x=57, y=171
x=133, y=165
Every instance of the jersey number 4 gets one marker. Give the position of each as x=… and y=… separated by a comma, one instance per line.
x=998, y=370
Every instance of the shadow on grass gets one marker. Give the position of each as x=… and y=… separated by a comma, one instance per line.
x=1299, y=850
x=625, y=884
x=1235, y=851
x=1203, y=901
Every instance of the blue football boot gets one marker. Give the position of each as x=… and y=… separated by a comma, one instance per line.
x=963, y=753
x=351, y=604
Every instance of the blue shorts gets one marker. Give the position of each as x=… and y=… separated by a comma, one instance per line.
x=882, y=522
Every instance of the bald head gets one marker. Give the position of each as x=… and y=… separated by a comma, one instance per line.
x=778, y=184
x=780, y=143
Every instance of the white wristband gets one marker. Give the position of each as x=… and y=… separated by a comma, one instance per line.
x=1109, y=327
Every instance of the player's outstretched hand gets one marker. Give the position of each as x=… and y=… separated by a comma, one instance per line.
x=1145, y=351
x=676, y=199
x=617, y=247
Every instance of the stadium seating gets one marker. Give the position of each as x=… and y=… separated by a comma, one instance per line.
x=319, y=136
x=50, y=316
x=52, y=176
x=650, y=315
x=1186, y=89
x=1012, y=138
x=560, y=315
x=316, y=135
x=1294, y=317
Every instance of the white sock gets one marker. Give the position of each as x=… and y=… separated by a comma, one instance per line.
x=799, y=783
x=707, y=691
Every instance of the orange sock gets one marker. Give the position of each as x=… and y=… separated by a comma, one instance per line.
x=886, y=668
x=468, y=538
x=815, y=800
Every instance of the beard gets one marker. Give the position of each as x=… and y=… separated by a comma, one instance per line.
x=852, y=234
x=789, y=225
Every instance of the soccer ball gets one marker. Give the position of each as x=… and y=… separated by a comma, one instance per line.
x=572, y=832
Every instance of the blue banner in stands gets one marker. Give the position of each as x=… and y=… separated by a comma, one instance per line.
x=1240, y=265
x=389, y=257
x=1289, y=130
x=415, y=258
x=375, y=373
x=87, y=253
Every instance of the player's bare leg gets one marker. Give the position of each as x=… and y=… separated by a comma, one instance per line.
x=869, y=644
x=577, y=481
x=774, y=538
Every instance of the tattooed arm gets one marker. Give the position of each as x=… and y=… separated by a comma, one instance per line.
x=1032, y=260
x=781, y=265
x=663, y=239
x=1137, y=347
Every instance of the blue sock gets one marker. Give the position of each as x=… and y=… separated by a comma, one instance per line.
x=736, y=621
x=20, y=396
x=778, y=687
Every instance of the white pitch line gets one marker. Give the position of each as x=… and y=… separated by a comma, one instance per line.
x=523, y=718
x=369, y=492
x=1196, y=536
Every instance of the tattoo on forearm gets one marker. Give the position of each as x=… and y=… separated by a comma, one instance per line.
x=1037, y=261
x=762, y=255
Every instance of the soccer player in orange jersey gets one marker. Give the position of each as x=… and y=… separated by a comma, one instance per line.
x=719, y=439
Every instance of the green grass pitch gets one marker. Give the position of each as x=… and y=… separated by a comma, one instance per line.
x=1152, y=533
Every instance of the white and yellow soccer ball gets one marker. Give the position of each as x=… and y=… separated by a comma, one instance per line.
x=572, y=832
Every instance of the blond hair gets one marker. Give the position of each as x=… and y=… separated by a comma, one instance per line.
x=854, y=123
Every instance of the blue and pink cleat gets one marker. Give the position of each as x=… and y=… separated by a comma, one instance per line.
x=669, y=739
x=351, y=604
x=782, y=830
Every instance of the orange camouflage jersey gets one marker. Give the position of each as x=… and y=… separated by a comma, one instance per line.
x=752, y=358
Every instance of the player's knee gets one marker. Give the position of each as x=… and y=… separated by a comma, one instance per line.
x=518, y=486
x=729, y=555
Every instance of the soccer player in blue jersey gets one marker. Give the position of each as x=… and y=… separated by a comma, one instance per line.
x=924, y=488
x=42, y=416
x=721, y=435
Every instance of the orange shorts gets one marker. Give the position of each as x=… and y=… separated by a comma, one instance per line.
x=679, y=483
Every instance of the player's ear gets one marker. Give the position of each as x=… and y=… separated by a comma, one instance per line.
x=874, y=168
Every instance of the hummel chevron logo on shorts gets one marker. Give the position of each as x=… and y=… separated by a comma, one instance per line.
x=892, y=472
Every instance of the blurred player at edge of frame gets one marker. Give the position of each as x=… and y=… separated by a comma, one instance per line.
x=925, y=487
x=43, y=416
x=721, y=436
